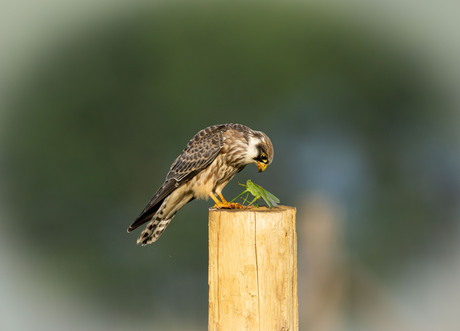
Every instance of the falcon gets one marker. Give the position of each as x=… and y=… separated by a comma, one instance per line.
x=208, y=162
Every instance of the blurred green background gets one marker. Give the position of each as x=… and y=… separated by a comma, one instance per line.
x=360, y=102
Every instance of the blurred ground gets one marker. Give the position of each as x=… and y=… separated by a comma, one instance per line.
x=361, y=103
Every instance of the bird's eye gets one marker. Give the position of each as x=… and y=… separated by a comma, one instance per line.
x=263, y=157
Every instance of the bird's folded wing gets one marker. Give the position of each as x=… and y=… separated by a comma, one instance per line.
x=200, y=151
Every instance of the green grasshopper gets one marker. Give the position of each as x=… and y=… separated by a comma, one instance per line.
x=258, y=192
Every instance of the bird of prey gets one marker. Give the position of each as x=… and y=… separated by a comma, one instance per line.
x=208, y=162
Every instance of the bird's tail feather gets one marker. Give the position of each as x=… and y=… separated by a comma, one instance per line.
x=153, y=231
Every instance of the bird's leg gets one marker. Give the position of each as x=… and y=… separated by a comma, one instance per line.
x=224, y=203
x=215, y=198
x=230, y=205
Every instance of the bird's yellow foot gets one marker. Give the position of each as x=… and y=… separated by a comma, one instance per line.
x=227, y=205
x=224, y=204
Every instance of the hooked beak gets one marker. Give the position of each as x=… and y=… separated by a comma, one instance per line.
x=261, y=166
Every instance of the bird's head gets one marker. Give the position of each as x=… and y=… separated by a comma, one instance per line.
x=260, y=150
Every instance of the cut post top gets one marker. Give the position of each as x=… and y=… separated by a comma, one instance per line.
x=251, y=209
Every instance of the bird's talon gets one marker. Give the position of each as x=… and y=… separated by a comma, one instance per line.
x=228, y=205
x=234, y=205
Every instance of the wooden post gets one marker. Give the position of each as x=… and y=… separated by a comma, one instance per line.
x=253, y=270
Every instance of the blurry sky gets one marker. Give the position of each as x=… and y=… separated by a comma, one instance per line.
x=98, y=98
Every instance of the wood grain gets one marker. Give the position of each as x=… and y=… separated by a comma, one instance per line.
x=253, y=269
